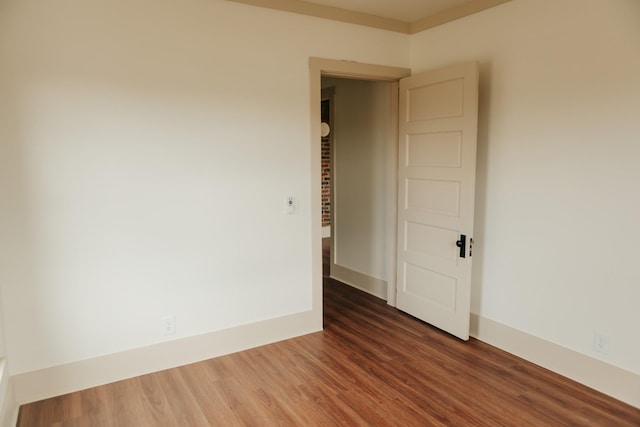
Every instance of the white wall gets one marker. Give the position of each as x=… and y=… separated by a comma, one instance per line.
x=361, y=172
x=147, y=149
x=3, y=350
x=7, y=402
x=558, y=202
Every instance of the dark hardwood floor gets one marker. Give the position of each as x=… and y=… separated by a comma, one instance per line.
x=371, y=366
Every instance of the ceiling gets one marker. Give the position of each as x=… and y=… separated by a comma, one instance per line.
x=402, y=10
x=404, y=16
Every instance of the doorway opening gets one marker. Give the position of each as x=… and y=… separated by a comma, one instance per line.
x=327, y=68
x=435, y=115
x=359, y=181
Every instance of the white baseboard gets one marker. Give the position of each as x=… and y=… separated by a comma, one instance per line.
x=10, y=418
x=372, y=285
x=62, y=379
x=9, y=414
x=32, y=386
x=608, y=379
x=8, y=405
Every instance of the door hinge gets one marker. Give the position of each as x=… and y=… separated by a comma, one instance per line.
x=470, y=246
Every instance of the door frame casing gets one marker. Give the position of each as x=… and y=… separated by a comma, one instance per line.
x=319, y=67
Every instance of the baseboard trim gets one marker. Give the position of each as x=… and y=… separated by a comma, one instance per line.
x=8, y=405
x=10, y=418
x=371, y=285
x=62, y=379
x=608, y=379
x=9, y=415
x=36, y=385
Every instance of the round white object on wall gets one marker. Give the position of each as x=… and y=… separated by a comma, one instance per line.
x=324, y=129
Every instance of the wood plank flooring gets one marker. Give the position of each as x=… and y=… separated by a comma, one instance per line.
x=371, y=366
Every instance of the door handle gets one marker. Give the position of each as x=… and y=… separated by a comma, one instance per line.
x=462, y=244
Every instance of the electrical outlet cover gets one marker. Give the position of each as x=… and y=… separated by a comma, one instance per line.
x=600, y=342
x=168, y=325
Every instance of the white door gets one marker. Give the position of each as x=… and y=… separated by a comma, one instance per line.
x=436, y=187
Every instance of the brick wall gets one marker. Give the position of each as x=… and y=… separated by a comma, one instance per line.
x=326, y=167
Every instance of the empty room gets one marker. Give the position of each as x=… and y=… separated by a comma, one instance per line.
x=163, y=259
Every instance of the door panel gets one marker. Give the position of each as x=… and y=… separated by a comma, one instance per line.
x=435, y=196
x=431, y=241
x=440, y=149
x=441, y=99
x=436, y=189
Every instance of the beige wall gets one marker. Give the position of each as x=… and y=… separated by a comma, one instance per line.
x=557, y=195
x=3, y=350
x=361, y=171
x=147, y=150
x=5, y=402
